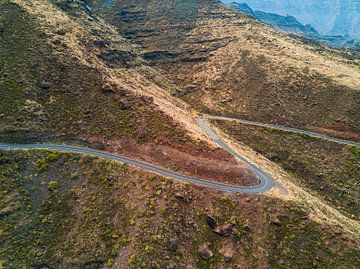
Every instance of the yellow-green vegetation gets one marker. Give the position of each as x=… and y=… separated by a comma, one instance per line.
x=330, y=170
x=111, y=215
x=61, y=222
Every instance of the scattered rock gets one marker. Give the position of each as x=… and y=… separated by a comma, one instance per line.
x=61, y=32
x=101, y=43
x=58, y=42
x=108, y=88
x=184, y=91
x=124, y=104
x=2, y=27
x=275, y=221
x=224, y=230
x=171, y=265
x=41, y=265
x=179, y=195
x=303, y=215
x=45, y=85
x=205, y=252
x=227, y=251
x=173, y=244
x=115, y=236
x=159, y=55
x=274, y=157
x=118, y=58
x=247, y=228
x=146, y=99
x=154, y=265
x=211, y=222
x=31, y=106
x=194, y=59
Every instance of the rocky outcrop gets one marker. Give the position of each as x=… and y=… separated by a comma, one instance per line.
x=118, y=58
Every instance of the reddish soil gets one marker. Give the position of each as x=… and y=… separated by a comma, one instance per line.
x=340, y=131
x=214, y=164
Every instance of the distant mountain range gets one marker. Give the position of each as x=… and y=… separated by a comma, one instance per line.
x=329, y=17
x=347, y=37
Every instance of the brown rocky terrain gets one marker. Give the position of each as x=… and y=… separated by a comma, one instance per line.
x=89, y=213
x=130, y=77
x=227, y=63
x=75, y=78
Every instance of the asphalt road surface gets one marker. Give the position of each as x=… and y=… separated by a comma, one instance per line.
x=266, y=181
x=286, y=129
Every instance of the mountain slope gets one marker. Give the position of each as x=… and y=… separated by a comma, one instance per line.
x=89, y=213
x=68, y=75
x=76, y=80
x=227, y=63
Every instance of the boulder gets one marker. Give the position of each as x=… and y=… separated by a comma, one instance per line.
x=173, y=244
x=45, y=85
x=154, y=265
x=60, y=32
x=275, y=221
x=205, y=252
x=227, y=251
x=108, y=88
x=179, y=195
x=211, y=222
x=2, y=27
x=247, y=228
x=224, y=230
x=124, y=104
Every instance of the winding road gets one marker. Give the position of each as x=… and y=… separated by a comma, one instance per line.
x=286, y=129
x=266, y=181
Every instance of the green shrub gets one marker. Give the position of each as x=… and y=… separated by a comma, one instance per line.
x=53, y=185
x=41, y=166
x=52, y=157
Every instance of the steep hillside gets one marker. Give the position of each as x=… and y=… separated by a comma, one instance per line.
x=69, y=211
x=327, y=168
x=130, y=77
x=45, y=90
x=227, y=63
x=67, y=76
